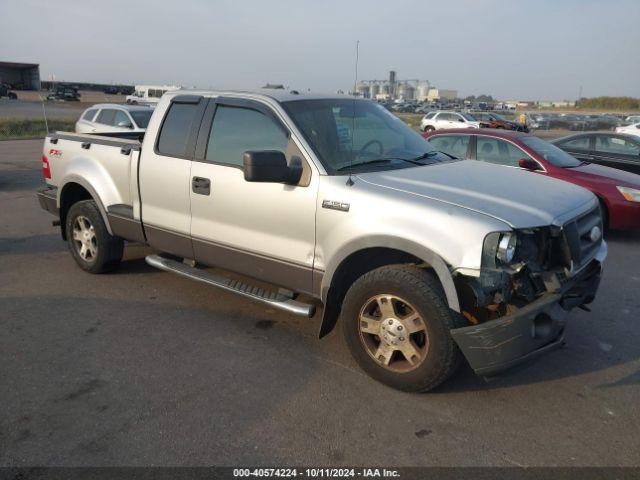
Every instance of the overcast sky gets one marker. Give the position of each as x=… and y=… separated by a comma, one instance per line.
x=542, y=49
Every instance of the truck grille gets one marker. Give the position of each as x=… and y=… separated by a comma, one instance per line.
x=578, y=236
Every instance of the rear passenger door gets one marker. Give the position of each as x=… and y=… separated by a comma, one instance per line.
x=165, y=176
x=262, y=230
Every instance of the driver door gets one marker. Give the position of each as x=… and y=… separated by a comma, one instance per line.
x=262, y=230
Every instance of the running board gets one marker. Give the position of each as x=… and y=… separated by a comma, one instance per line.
x=273, y=299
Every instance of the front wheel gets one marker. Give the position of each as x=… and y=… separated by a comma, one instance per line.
x=91, y=245
x=428, y=128
x=397, y=325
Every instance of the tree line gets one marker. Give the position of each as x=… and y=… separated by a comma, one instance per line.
x=612, y=103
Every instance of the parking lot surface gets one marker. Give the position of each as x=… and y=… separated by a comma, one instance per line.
x=19, y=109
x=140, y=367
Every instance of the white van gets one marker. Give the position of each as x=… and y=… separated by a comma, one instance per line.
x=149, y=94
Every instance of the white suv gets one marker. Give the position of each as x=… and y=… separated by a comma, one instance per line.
x=111, y=118
x=442, y=120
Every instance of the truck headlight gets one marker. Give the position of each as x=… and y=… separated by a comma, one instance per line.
x=506, y=247
x=630, y=194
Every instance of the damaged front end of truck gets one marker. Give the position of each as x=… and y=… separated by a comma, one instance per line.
x=529, y=281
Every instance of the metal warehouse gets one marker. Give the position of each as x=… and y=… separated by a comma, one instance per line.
x=20, y=76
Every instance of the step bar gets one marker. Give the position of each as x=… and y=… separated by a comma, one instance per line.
x=274, y=299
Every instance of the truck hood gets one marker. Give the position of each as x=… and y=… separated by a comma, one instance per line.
x=519, y=198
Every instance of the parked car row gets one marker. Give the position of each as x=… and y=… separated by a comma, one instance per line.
x=574, y=122
x=438, y=120
x=65, y=93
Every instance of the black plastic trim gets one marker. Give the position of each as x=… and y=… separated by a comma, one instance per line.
x=96, y=141
x=121, y=210
x=48, y=199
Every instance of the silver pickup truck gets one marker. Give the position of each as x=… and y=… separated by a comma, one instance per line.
x=300, y=201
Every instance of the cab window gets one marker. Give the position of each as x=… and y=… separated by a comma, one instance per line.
x=236, y=130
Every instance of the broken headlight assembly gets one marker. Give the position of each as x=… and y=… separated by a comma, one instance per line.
x=506, y=247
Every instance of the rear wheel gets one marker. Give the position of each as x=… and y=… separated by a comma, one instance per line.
x=429, y=128
x=91, y=245
x=397, y=325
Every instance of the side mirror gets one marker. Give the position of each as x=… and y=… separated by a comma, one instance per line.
x=528, y=164
x=270, y=166
x=461, y=120
x=125, y=124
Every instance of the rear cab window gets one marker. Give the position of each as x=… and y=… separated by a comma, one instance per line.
x=176, y=130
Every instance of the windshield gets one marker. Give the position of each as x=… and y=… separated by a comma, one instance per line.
x=500, y=118
x=550, y=152
x=359, y=133
x=141, y=117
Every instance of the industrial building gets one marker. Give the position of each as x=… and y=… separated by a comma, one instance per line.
x=20, y=76
x=402, y=90
x=435, y=94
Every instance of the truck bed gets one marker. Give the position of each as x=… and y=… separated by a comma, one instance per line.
x=104, y=166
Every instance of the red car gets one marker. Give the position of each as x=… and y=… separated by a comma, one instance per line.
x=618, y=191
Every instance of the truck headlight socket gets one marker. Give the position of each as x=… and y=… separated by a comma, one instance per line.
x=507, y=247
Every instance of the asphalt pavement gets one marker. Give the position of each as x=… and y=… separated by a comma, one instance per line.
x=141, y=367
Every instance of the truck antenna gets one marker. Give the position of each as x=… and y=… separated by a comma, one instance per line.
x=353, y=132
x=44, y=114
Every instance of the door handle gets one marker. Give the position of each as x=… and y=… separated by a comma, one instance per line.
x=201, y=186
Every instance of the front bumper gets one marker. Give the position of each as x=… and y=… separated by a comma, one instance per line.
x=624, y=215
x=537, y=328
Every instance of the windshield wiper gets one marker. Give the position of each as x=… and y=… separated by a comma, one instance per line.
x=373, y=162
x=582, y=162
x=430, y=154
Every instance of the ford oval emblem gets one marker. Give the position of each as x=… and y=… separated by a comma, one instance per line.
x=595, y=234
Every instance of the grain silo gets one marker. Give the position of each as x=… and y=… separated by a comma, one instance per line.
x=422, y=92
x=374, y=90
x=362, y=89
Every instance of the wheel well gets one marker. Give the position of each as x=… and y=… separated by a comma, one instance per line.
x=352, y=268
x=71, y=193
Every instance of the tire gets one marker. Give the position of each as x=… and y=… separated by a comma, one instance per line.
x=416, y=292
x=84, y=226
x=428, y=128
